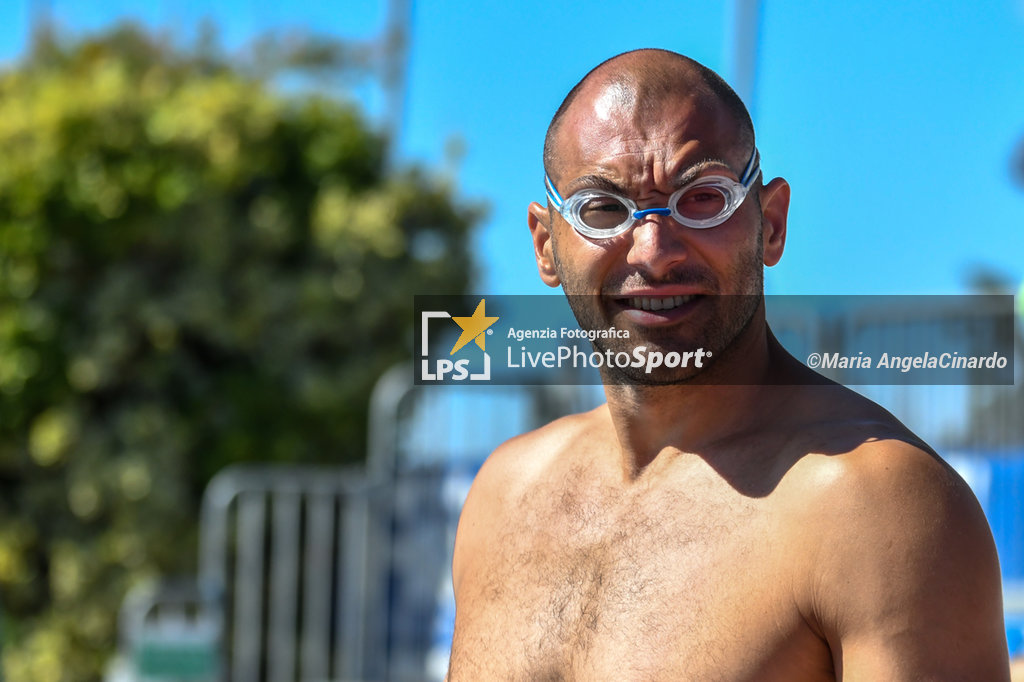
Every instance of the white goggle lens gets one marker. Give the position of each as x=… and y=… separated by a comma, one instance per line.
x=604, y=212
x=706, y=201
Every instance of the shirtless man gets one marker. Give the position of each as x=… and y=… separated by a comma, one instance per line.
x=746, y=520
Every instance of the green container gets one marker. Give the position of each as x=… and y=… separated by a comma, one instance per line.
x=176, y=659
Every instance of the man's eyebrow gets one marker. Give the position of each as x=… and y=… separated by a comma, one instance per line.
x=696, y=170
x=600, y=182
x=594, y=182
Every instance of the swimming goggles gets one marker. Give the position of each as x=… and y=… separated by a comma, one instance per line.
x=705, y=202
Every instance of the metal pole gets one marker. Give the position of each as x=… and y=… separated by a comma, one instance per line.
x=745, y=44
x=394, y=45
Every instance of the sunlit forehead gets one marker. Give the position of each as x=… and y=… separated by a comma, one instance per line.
x=615, y=99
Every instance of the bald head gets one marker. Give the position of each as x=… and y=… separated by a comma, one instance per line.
x=645, y=79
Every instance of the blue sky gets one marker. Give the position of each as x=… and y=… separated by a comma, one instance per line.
x=895, y=123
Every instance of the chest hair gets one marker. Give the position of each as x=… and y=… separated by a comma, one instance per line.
x=586, y=566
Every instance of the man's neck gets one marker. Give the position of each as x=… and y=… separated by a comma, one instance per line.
x=692, y=417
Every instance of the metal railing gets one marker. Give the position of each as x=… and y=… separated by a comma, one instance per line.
x=285, y=551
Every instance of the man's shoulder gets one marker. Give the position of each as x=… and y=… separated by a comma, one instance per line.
x=507, y=476
x=526, y=458
x=864, y=461
x=878, y=472
x=866, y=488
x=890, y=534
x=893, y=559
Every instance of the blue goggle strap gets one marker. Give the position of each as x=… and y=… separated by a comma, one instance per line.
x=553, y=196
x=752, y=170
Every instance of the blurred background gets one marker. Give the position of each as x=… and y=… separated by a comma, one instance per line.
x=214, y=217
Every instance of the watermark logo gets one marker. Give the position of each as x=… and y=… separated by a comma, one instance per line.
x=854, y=340
x=475, y=329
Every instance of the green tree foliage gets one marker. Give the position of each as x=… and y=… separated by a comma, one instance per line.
x=195, y=269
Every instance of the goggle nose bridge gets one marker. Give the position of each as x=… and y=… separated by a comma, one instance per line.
x=637, y=215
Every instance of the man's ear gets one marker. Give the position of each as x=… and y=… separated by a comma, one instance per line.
x=539, y=219
x=774, y=212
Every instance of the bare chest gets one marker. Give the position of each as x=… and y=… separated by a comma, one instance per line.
x=668, y=587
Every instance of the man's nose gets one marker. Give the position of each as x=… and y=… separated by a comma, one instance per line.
x=658, y=243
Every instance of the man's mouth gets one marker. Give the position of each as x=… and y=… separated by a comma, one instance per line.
x=655, y=303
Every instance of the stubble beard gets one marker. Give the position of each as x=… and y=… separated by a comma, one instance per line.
x=729, y=315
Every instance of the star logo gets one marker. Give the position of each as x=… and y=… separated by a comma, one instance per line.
x=448, y=370
x=473, y=328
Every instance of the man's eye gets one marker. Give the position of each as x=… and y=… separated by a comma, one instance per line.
x=701, y=203
x=603, y=213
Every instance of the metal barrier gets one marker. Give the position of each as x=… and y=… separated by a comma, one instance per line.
x=345, y=574
x=285, y=552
